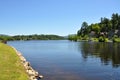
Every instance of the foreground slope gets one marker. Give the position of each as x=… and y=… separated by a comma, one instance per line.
x=10, y=66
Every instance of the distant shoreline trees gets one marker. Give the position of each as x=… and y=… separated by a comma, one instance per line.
x=30, y=37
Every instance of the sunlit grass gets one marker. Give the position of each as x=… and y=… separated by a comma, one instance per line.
x=10, y=66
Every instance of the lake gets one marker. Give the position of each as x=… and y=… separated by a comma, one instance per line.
x=66, y=60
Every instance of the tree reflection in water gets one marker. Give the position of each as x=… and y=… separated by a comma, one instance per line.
x=109, y=53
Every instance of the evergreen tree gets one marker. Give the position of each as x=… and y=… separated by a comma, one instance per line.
x=84, y=29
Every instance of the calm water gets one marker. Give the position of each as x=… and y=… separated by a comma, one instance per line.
x=65, y=60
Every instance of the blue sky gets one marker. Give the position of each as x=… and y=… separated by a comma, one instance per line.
x=61, y=17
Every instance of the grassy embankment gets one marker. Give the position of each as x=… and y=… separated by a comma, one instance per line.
x=10, y=65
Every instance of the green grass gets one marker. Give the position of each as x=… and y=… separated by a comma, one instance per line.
x=10, y=65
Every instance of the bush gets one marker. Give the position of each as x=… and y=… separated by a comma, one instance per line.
x=85, y=37
x=94, y=39
x=101, y=39
x=73, y=37
x=116, y=39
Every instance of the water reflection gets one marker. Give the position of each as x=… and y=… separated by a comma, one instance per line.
x=109, y=53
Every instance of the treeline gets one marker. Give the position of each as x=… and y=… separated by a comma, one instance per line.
x=5, y=38
x=106, y=29
x=38, y=37
x=30, y=37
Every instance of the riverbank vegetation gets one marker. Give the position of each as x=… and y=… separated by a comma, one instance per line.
x=30, y=37
x=10, y=65
x=104, y=31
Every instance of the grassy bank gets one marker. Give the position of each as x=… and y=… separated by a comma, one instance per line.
x=10, y=65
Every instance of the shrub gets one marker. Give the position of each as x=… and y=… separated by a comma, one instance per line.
x=101, y=39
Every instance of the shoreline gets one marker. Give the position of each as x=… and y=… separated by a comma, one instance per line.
x=32, y=74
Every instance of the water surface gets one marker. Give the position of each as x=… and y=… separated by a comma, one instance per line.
x=66, y=60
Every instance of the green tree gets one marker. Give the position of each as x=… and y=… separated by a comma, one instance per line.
x=115, y=21
x=84, y=29
x=95, y=27
x=73, y=37
x=106, y=25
